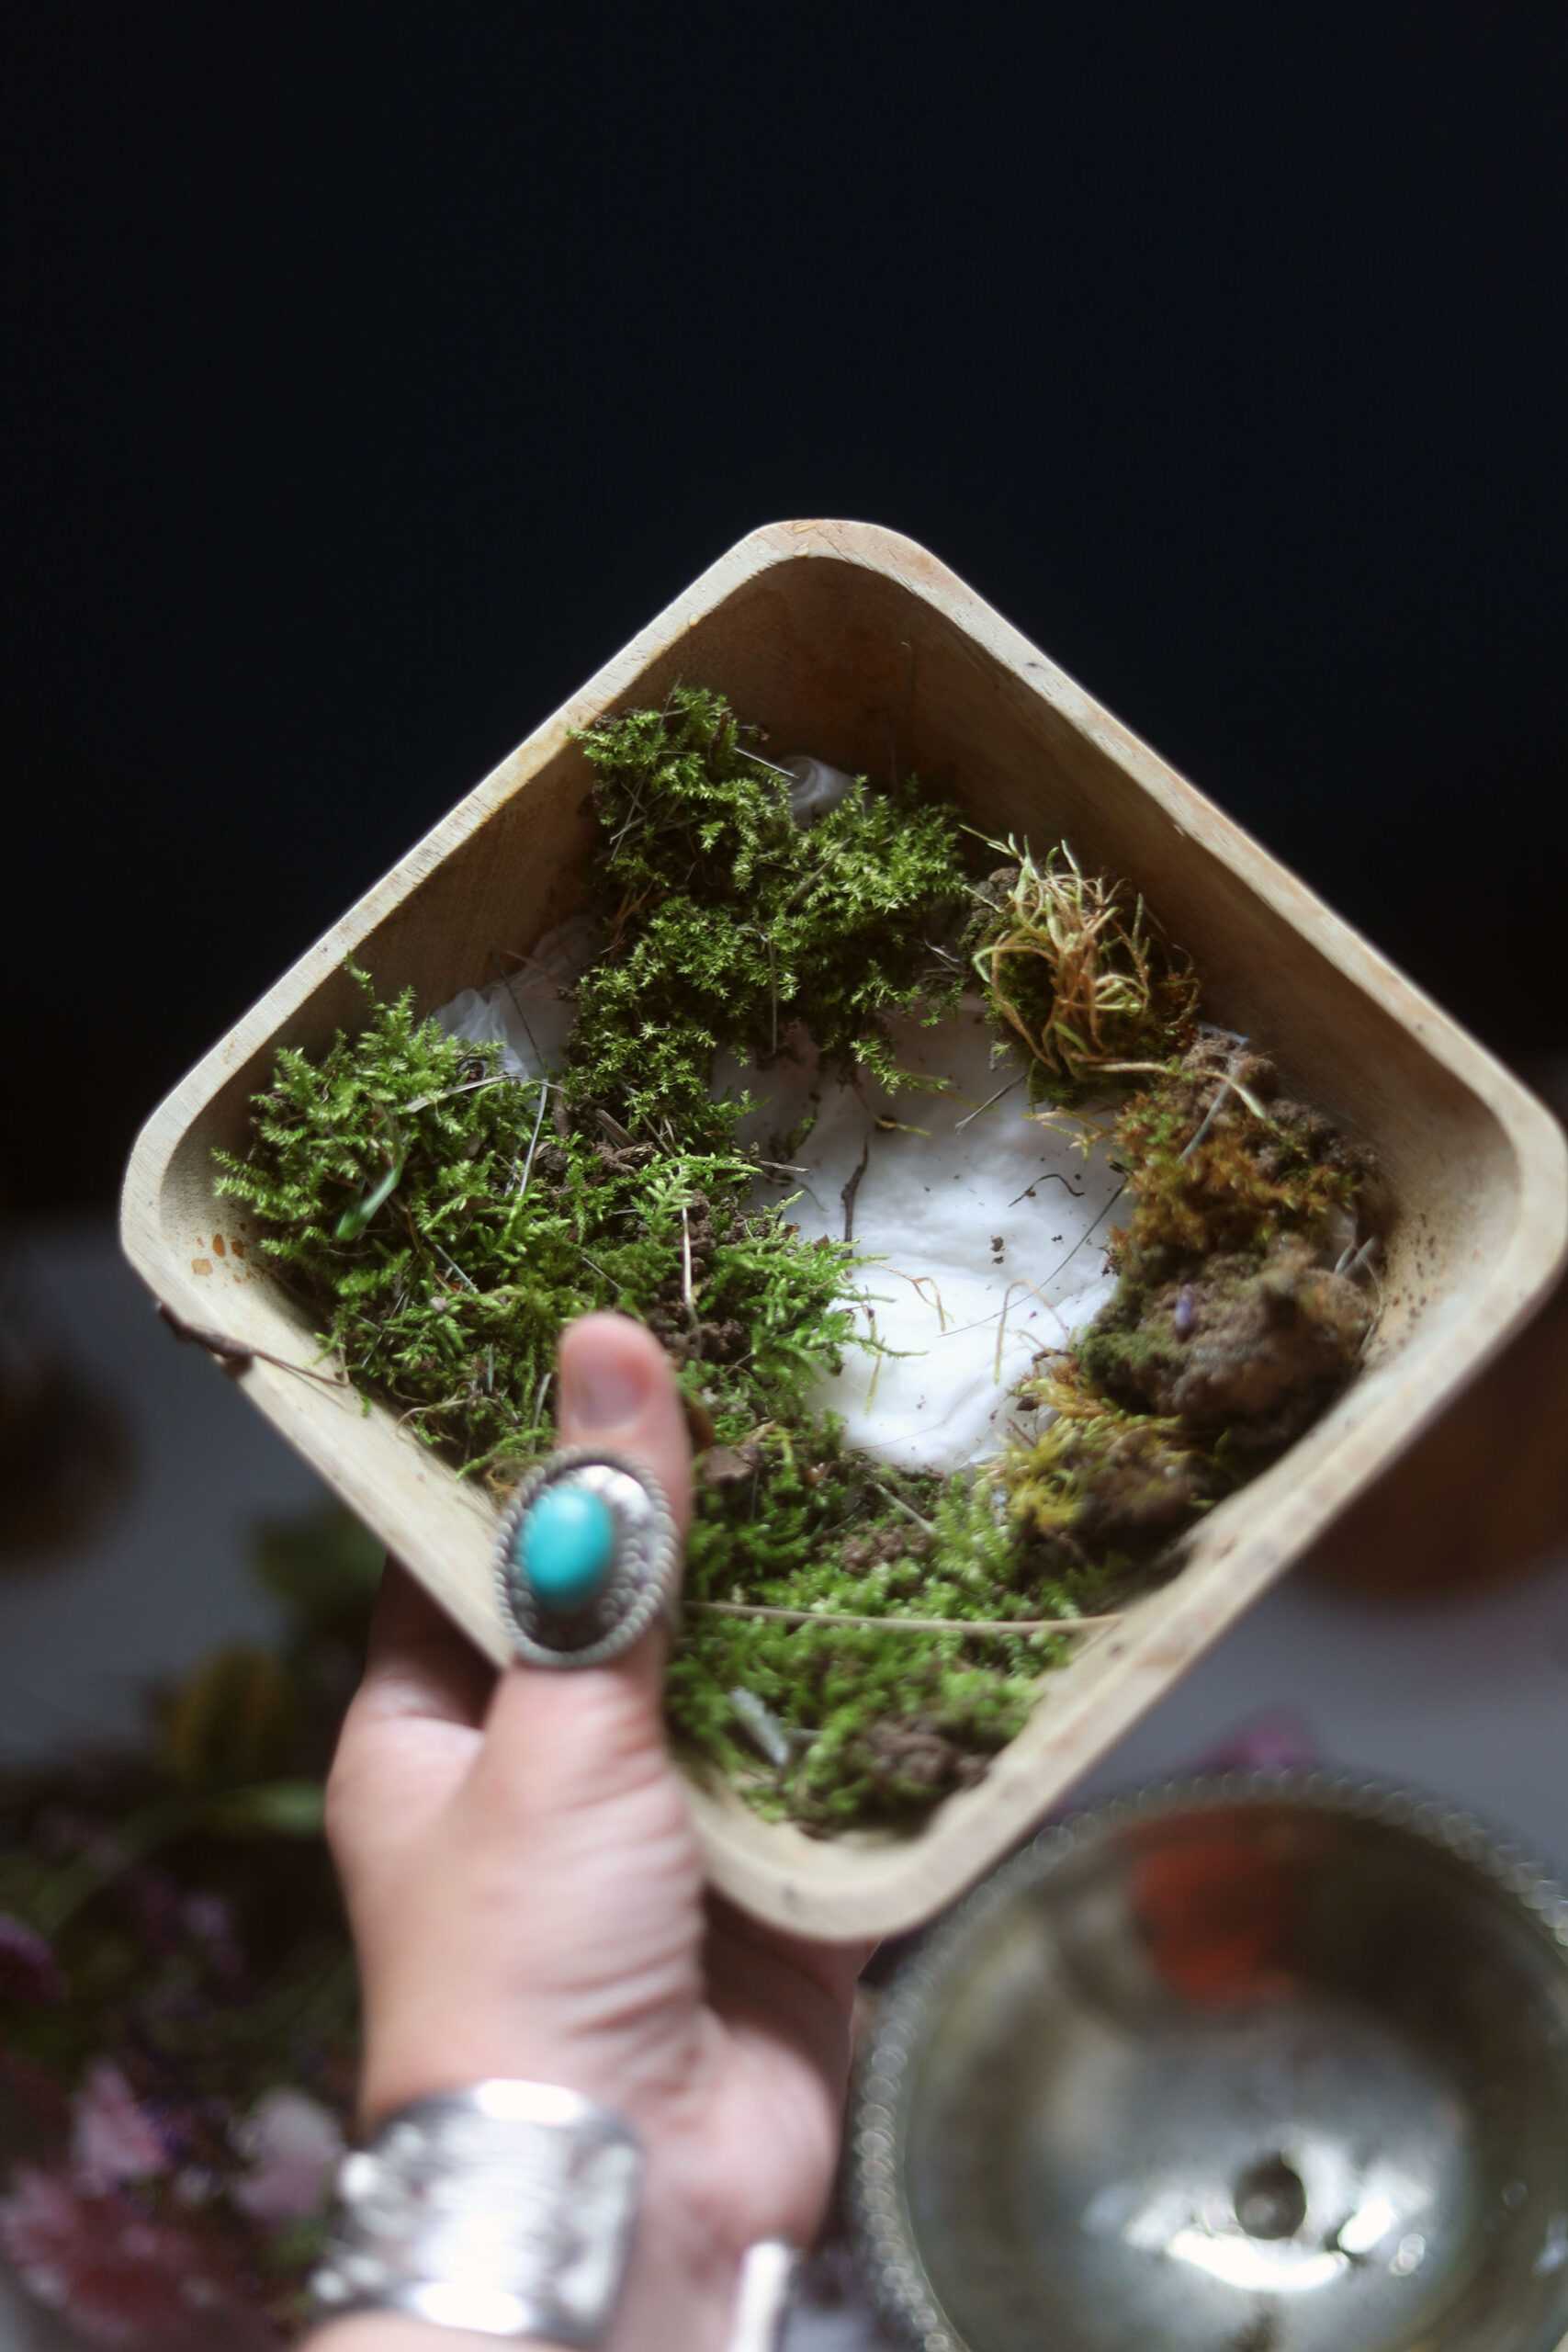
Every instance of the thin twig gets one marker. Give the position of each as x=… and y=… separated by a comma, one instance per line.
x=1047, y=1176
x=686, y=1291
x=1016, y=1284
x=1229, y=1084
x=851, y=1188
x=876, y=1357
x=473, y=1086
x=900, y=1504
x=959, y=1125
x=762, y=763
x=533, y=1146
x=1099, y=1221
x=1210, y=1115
x=908, y=1624
x=452, y=1263
x=240, y=1354
x=512, y=992
x=918, y=1284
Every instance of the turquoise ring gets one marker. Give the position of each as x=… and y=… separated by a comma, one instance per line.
x=587, y=1558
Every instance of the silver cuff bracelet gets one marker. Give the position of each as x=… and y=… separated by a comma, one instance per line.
x=506, y=2209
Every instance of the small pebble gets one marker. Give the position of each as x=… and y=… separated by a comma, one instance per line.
x=817, y=788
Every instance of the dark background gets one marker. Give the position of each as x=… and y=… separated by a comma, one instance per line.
x=378, y=371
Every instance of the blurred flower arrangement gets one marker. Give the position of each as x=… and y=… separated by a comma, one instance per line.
x=178, y=2004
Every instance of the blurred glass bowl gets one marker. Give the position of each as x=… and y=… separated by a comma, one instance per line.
x=1256, y=2064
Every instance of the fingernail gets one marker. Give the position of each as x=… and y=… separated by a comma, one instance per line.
x=603, y=1395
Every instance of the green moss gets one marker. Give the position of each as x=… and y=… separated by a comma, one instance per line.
x=447, y=1298
x=445, y=1224
x=825, y=1530
x=728, y=924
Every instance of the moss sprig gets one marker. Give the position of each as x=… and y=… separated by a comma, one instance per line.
x=728, y=924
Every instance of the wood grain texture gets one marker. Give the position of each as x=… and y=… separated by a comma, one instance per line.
x=854, y=643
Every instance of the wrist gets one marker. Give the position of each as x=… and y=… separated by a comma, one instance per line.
x=610, y=2069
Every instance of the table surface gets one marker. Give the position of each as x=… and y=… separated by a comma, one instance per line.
x=1467, y=1698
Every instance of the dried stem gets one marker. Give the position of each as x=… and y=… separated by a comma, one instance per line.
x=905, y=1624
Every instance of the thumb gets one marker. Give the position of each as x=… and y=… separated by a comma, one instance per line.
x=580, y=1735
x=617, y=1391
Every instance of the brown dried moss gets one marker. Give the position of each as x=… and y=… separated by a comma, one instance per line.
x=1218, y=1159
x=1075, y=968
x=1102, y=1489
x=1252, y=1346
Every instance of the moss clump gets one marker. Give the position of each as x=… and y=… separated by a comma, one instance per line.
x=1239, y=1307
x=1251, y=1345
x=1218, y=1160
x=447, y=1297
x=728, y=924
x=879, y=1723
x=1102, y=1489
x=1075, y=968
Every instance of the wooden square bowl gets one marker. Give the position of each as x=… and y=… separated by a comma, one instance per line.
x=855, y=644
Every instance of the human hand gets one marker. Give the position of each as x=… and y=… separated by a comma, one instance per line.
x=526, y=1894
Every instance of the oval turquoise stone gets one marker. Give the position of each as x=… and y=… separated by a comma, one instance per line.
x=566, y=1547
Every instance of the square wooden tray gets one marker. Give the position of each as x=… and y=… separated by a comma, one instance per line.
x=850, y=641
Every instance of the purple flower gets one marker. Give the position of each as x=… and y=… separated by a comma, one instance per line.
x=119, y=2278
x=29, y=1971
x=112, y=2139
x=293, y=2146
x=208, y=1918
x=210, y=1921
